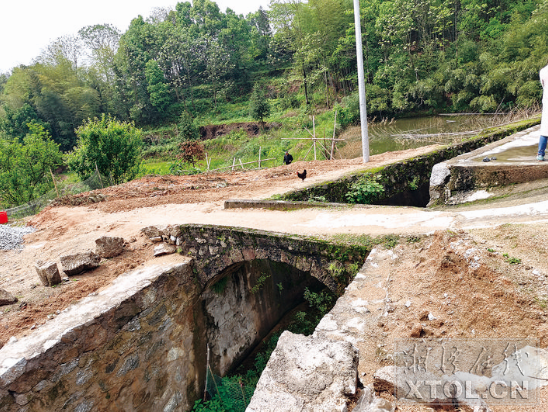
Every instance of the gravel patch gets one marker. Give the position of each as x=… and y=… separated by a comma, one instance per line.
x=11, y=237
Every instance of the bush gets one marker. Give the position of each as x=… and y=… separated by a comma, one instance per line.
x=113, y=147
x=365, y=191
x=25, y=168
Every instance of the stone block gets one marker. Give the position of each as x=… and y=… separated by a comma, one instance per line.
x=6, y=298
x=164, y=249
x=48, y=273
x=308, y=374
x=79, y=262
x=108, y=247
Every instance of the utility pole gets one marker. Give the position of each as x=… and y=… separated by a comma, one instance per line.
x=361, y=82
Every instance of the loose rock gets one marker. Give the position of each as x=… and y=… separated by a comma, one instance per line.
x=80, y=262
x=108, y=247
x=6, y=298
x=11, y=237
x=48, y=273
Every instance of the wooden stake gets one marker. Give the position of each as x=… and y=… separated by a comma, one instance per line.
x=54, y=183
x=233, y=164
x=259, y=157
x=241, y=164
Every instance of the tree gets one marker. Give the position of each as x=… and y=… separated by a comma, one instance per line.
x=157, y=88
x=16, y=122
x=111, y=146
x=187, y=128
x=25, y=167
x=259, y=108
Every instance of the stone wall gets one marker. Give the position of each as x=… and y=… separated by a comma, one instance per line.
x=130, y=347
x=140, y=344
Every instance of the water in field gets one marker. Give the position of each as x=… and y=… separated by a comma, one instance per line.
x=391, y=135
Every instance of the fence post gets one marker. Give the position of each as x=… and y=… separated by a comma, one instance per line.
x=259, y=157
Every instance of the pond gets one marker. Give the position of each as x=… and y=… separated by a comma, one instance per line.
x=401, y=134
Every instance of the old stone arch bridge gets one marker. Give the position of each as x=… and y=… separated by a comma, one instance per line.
x=219, y=250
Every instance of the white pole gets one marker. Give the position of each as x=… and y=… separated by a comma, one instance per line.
x=361, y=82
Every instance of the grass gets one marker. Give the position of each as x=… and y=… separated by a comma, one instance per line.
x=388, y=241
x=154, y=167
x=511, y=260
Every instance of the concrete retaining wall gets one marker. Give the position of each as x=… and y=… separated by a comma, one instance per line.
x=406, y=182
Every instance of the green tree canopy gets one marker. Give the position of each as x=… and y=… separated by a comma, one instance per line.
x=111, y=146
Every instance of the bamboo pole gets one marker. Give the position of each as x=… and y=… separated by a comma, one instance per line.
x=233, y=164
x=314, y=128
x=333, y=140
x=241, y=164
x=246, y=163
x=208, y=162
x=307, y=138
x=306, y=155
x=207, y=373
x=99, y=174
x=259, y=157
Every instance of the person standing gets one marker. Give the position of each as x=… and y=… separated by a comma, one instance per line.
x=288, y=158
x=543, y=75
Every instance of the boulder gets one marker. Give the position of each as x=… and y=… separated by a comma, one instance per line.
x=48, y=273
x=307, y=373
x=79, y=262
x=6, y=298
x=108, y=247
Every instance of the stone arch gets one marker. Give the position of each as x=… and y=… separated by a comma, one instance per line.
x=217, y=248
x=244, y=303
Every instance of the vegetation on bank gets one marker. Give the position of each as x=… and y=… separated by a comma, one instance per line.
x=194, y=65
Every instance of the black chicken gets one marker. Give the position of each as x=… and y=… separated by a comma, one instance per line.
x=302, y=175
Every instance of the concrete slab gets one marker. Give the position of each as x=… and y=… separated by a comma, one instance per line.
x=469, y=177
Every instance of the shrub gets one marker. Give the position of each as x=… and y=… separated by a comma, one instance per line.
x=113, y=147
x=365, y=191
